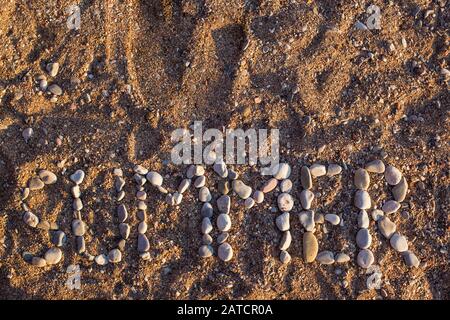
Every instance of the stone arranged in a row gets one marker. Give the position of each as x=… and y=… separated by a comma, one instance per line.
x=156, y=180
x=78, y=225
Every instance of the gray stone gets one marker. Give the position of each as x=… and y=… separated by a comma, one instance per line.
x=249, y=203
x=184, y=185
x=200, y=181
x=223, y=222
x=78, y=227
x=81, y=244
x=101, y=259
x=365, y=258
x=27, y=133
x=53, y=256
x=306, y=198
x=363, y=239
x=282, y=171
x=38, y=262
x=285, y=202
x=190, y=171
x=58, y=238
x=317, y=170
x=225, y=252
x=361, y=179
x=286, y=185
x=47, y=177
x=199, y=170
x=400, y=190
x=35, y=184
x=140, y=180
x=390, y=206
x=25, y=193
x=386, y=227
x=122, y=213
x=307, y=220
x=55, y=89
x=206, y=225
x=362, y=200
x=392, y=175
x=115, y=256
x=342, y=258
x=78, y=176
x=43, y=225
x=207, y=210
x=333, y=170
x=204, y=195
x=377, y=214
x=411, y=259
x=221, y=169
x=52, y=68
x=232, y=175
x=242, y=190
x=224, y=204
x=124, y=230
x=286, y=240
x=221, y=238
x=118, y=172
x=141, y=195
x=398, y=242
x=76, y=192
x=223, y=186
x=30, y=219
x=305, y=178
x=375, y=166
x=120, y=195
x=258, y=196
x=207, y=239
x=363, y=219
x=205, y=251
x=333, y=219
x=325, y=257
x=177, y=198
x=282, y=221
x=154, y=178
x=140, y=170
x=285, y=257
x=77, y=204
x=119, y=183
x=143, y=243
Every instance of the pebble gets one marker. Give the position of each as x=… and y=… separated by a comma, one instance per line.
x=362, y=200
x=119, y=183
x=78, y=227
x=258, y=196
x=221, y=238
x=306, y=198
x=377, y=214
x=115, y=256
x=81, y=244
x=224, y=204
x=120, y=195
x=270, y=185
x=118, y=172
x=363, y=238
x=363, y=219
x=55, y=89
x=325, y=257
x=390, y=206
x=223, y=186
x=221, y=169
x=342, y=258
x=143, y=243
x=361, y=179
x=35, y=184
x=27, y=133
x=317, y=170
x=392, y=175
x=122, y=213
x=305, y=177
x=170, y=200
x=78, y=176
x=184, y=185
x=286, y=240
x=43, y=225
x=52, y=68
x=282, y=221
x=190, y=172
x=332, y=218
x=38, y=262
x=310, y=247
x=398, y=242
x=141, y=195
x=282, y=171
x=286, y=185
x=204, y=195
x=307, y=220
x=30, y=219
x=124, y=230
x=375, y=166
x=365, y=258
x=199, y=170
x=225, y=252
x=141, y=215
x=249, y=203
x=101, y=260
x=53, y=256
x=25, y=193
x=77, y=204
x=223, y=222
x=200, y=181
x=232, y=175
x=58, y=238
x=140, y=170
x=207, y=239
x=75, y=190
x=285, y=202
x=177, y=198
x=387, y=227
x=47, y=177
x=205, y=251
x=411, y=259
x=140, y=180
x=43, y=85
x=207, y=210
x=206, y=225
x=154, y=178
x=242, y=190
x=400, y=190
x=285, y=257
x=333, y=170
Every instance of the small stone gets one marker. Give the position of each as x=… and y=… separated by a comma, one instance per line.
x=282, y=171
x=184, y=185
x=390, y=206
x=206, y=225
x=143, y=206
x=363, y=238
x=120, y=195
x=122, y=213
x=77, y=204
x=375, y=166
x=318, y=218
x=221, y=238
x=190, y=172
x=232, y=175
x=361, y=179
x=225, y=252
x=35, y=184
x=124, y=230
x=334, y=219
x=242, y=190
x=52, y=68
x=258, y=196
x=30, y=219
x=249, y=203
x=118, y=172
x=400, y=190
x=377, y=214
x=223, y=186
x=207, y=239
x=270, y=185
x=221, y=169
x=411, y=259
x=310, y=247
x=38, y=262
x=119, y=183
x=101, y=260
x=121, y=244
x=154, y=178
x=306, y=198
x=286, y=185
x=362, y=200
x=58, y=238
x=205, y=251
x=207, y=210
x=223, y=222
x=140, y=180
x=78, y=227
x=199, y=170
x=47, y=177
x=224, y=204
x=177, y=198
x=363, y=219
x=285, y=257
x=140, y=170
x=282, y=221
x=317, y=170
x=115, y=256
x=307, y=220
x=81, y=244
x=392, y=175
x=398, y=242
x=25, y=193
x=55, y=89
x=305, y=178
x=204, y=195
x=387, y=227
x=342, y=258
x=285, y=202
x=141, y=195
x=200, y=181
x=76, y=192
x=141, y=215
x=77, y=177
x=27, y=133
x=53, y=256
x=145, y=256
x=143, y=243
x=170, y=200
x=43, y=225
x=365, y=258
x=286, y=240
x=325, y=257
x=27, y=256
x=333, y=170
